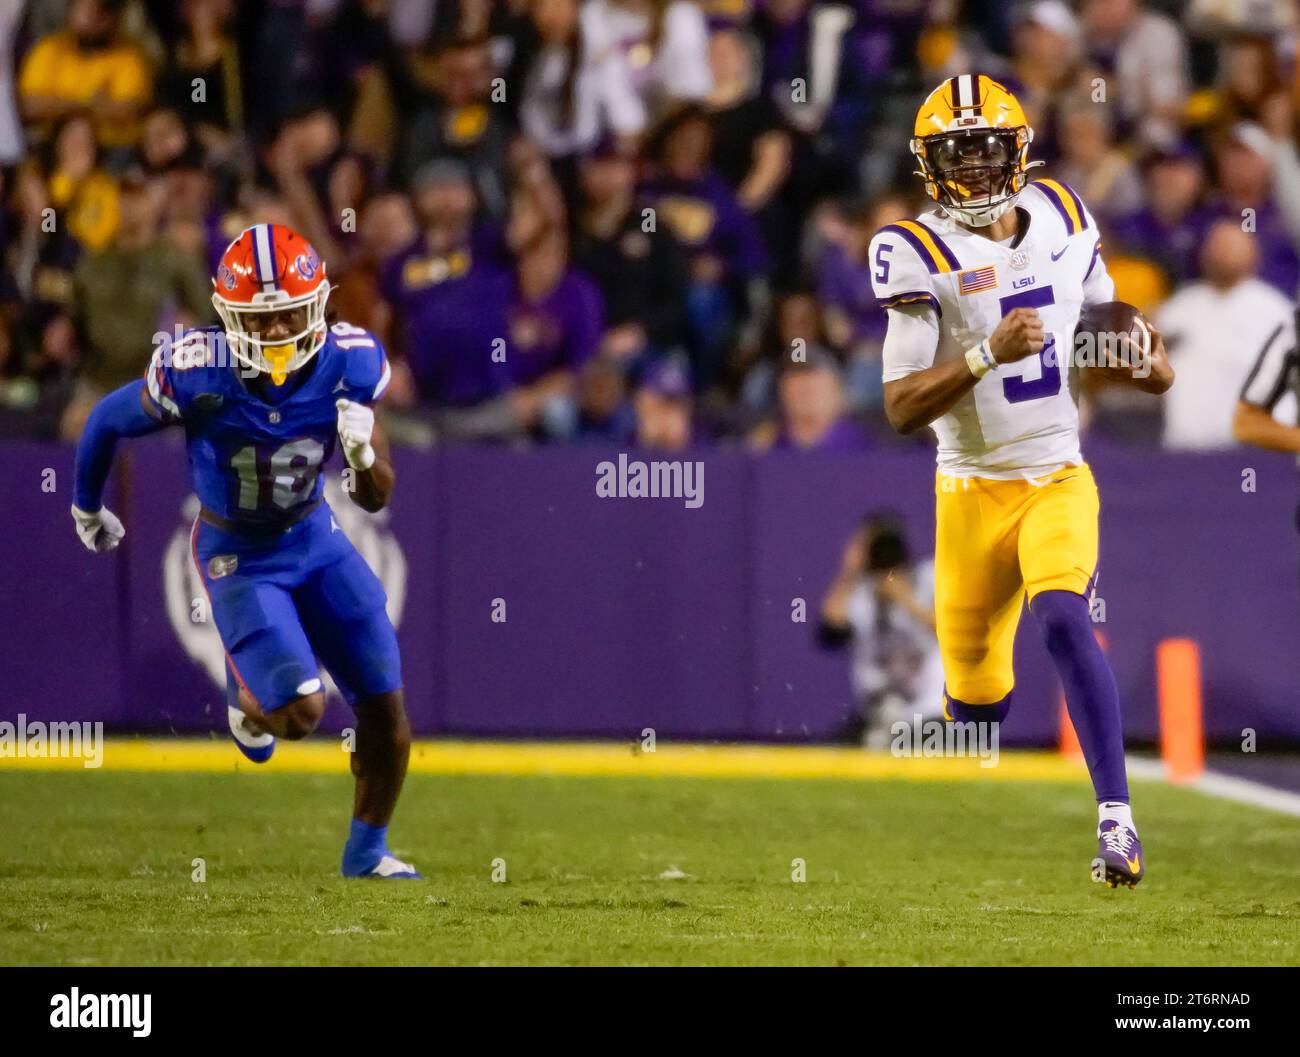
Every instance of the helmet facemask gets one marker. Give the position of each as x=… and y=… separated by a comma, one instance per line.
x=279, y=357
x=974, y=173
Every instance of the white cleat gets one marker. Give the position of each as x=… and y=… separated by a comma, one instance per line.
x=257, y=747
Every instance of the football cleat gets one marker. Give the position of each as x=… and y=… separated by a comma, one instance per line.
x=257, y=747
x=389, y=868
x=1119, y=855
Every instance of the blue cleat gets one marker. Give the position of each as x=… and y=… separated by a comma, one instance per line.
x=257, y=747
x=388, y=868
x=1119, y=855
x=366, y=854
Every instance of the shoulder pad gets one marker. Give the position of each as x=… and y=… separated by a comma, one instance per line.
x=1066, y=203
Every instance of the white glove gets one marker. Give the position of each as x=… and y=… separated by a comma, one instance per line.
x=356, y=424
x=100, y=531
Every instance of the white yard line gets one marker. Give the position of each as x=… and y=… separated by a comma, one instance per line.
x=1227, y=787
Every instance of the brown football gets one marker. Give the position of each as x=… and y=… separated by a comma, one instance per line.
x=1113, y=336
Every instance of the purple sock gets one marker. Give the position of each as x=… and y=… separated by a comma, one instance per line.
x=1090, y=693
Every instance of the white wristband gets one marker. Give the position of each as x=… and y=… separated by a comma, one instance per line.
x=980, y=359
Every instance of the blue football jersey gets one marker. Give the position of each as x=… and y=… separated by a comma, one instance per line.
x=253, y=460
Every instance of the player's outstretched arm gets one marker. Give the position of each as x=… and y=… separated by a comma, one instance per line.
x=367, y=451
x=917, y=399
x=125, y=412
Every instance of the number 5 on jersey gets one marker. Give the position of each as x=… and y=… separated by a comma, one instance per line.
x=1019, y=389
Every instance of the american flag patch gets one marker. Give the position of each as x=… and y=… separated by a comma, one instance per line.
x=977, y=279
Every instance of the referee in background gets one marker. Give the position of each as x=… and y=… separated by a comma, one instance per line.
x=1275, y=374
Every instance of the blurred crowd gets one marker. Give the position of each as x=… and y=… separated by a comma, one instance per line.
x=628, y=221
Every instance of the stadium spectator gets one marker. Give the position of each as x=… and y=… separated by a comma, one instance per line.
x=1170, y=224
x=450, y=113
x=752, y=149
x=664, y=406
x=724, y=245
x=664, y=46
x=1214, y=330
x=813, y=412
x=321, y=179
x=79, y=188
x=12, y=146
x=133, y=290
x=37, y=262
x=576, y=83
x=1143, y=57
x=37, y=388
x=1243, y=161
x=1047, y=48
x=445, y=293
x=641, y=274
x=881, y=602
x=89, y=66
x=202, y=77
x=853, y=321
x=385, y=229
x=813, y=70
x=794, y=334
x=164, y=142
x=1091, y=163
x=304, y=55
x=605, y=414
x=554, y=316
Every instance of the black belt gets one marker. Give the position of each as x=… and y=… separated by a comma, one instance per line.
x=259, y=529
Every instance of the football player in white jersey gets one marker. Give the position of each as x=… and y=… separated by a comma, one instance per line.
x=984, y=296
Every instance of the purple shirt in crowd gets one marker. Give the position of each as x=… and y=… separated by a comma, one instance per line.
x=451, y=309
x=845, y=283
x=707, y=219
x=843, y=438
x=559, y=330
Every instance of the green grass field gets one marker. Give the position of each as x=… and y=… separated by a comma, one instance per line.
x=96, y=869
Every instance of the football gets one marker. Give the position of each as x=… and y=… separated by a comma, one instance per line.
x=1113, y=335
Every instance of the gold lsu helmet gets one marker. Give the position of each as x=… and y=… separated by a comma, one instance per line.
x=971, y=140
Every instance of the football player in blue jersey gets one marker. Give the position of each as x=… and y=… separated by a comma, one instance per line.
x=263, y=399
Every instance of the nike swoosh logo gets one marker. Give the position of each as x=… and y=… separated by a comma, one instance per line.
x=1067, y=477
x=1135, y=863
x=1058, y=256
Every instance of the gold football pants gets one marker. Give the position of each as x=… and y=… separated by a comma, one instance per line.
x=997, y=541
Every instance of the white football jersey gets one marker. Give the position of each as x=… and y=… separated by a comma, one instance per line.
x=1021, y=419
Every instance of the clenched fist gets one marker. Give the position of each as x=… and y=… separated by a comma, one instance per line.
x=1019, y=335
x=100, y=531
x=356, y=424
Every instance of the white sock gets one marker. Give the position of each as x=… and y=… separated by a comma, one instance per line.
x=1119, y=812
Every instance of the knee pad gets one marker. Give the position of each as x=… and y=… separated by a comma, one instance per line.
x=1064, y=617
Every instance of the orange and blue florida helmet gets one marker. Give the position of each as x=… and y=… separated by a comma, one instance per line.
x=270, y=269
